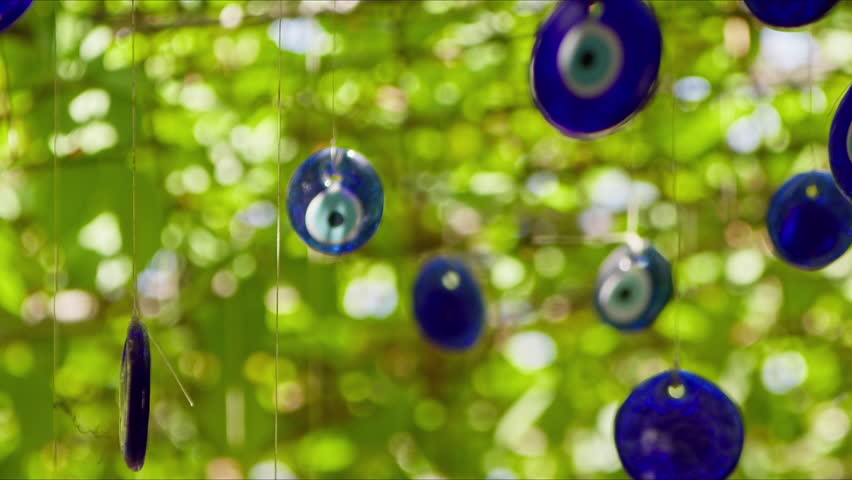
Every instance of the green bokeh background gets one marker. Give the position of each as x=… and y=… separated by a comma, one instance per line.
x=436, y=95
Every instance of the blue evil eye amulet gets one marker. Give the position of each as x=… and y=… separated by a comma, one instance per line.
x=11, y=11
x=595, y=64
x=335, y=201
x=840, y=145
x=789, y=13
x=634, y=285
x=678, y=425
x=448, y=304
x=135, y=395
x=809, y=221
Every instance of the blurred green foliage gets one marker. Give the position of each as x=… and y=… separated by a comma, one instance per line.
x=436, y=94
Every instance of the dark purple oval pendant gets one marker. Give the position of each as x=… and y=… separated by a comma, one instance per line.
x=135, y=395
x=689, y=431
x=789, y=13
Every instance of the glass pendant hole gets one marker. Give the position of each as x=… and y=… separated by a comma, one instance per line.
x=677, y=391
x=812, y=191
x=596, y=10
x=333, y=179
x=451, y=280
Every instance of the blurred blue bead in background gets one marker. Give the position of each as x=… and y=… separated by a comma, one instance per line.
x=810, y=221
x=448, y=304
x=789, y=13
x=11, y=11
x=840, y=145
x=335, y=201
x=633, y=286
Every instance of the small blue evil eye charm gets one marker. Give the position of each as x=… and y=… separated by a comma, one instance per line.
x=135, y=395
x=789, y=13
x=809, y=221
x=840, y=145
x=634, y=285
x=335, y=201
x=11, y=11
x=595, y=64
x=678, y=425
x=448, y=304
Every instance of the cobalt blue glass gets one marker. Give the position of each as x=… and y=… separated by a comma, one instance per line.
x=789, y=13
x=840, y=145
x=633, y=287
x=595, y=64
x=11, y=11
x=135, y=395
x=448, y=304
x=690, y=431
x=335, y=201
x=810, y=221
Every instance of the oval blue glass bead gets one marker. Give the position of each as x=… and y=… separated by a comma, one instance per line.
x=840, y=145
x=335, y=201
x=809, y=221
x=698, y=435
x=633, y=287
x=448, y=304
x=11, y=11
x=135, y=395
x=590, y=73
x=787, y=13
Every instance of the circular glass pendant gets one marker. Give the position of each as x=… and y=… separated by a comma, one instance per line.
x=810, y=221
x=595, y=64
x=633, y=287
x=11, y=11
x=135, y=395
x=787, y=13
x=448, y=304
x=678, y=425
x=335, y=201
x=840, y=145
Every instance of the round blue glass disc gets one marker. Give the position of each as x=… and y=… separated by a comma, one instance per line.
x=810, y=221
x=691, y=431
x=633, y=287
x=789, y=13
x=335, y=201
x=595, y=64
x=11, y=11
x=448, y=304
x=840, y=145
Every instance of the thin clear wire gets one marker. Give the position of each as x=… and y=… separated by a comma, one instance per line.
x=277, y=237
x=7, y=101
x=811, y=48
x=134, y=286
x=679, y=225
x=55, y=333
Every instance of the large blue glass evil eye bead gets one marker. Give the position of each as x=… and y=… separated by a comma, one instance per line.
x=810, y=221
x=135, y=395
x=789, y=13
x=840, y=145
x=595, y=64
x=335, y=201
x=633, y=287
x=678, y=425
x=448, y=304
x=11, y=11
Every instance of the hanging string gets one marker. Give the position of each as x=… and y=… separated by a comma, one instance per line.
x=678, y=224
x=7, y=101
x=277, y=236
x=632, y=201
x=811, y=48
x=134, y=290
x=334, y=151
x=55, y=333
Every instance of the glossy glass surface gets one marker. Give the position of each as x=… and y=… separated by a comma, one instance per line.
x=135, y=395
x=448, y=304
x=810, y=221
x=595, y=64
x=690, y=431
x=633, y=287
x=840, y=145
x=335, y=201
x=789, y=13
